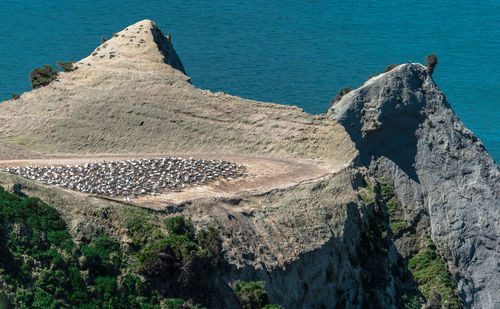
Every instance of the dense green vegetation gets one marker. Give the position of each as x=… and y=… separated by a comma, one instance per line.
x=378, y=269
x=252, y=295
x=15, y=96
x=396, y=216
x=43, y=76
x=42, y=267
x=181, y=262
x=432, y=276
x=410, y=302
x=39, y=267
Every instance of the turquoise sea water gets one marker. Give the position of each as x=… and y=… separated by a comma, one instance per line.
x=291, y=53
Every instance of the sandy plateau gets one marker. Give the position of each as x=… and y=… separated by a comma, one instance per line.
x=131, y=99
x=263, y=174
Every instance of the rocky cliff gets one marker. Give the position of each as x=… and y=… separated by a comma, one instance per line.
x=406, y=130
x=404, y=177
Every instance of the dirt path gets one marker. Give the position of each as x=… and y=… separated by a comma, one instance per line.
x=263, y=174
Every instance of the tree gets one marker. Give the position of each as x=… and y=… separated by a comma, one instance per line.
x=40, y=77
x=430, y=62
x=251, y=295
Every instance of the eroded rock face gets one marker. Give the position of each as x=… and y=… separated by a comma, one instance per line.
x=142, y=42
x=306, y=242
x=406, y=131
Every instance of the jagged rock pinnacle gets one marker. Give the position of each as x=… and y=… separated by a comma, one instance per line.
x=407, y=132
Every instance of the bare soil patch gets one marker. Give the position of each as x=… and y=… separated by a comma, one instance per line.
x=263, y=174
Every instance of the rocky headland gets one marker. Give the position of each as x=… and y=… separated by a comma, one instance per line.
x=400, y=207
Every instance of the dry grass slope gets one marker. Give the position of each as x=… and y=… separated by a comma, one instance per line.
x=134, y=102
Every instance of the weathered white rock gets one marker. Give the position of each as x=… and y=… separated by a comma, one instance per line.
x=406, y=130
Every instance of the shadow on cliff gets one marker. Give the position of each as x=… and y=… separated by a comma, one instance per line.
x=351, y=270
x=167, y=50
x=383, y=117
x=395, y=140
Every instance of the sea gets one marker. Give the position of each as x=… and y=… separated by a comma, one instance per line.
x=289, y=52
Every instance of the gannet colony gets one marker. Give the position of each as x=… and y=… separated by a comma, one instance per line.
x=131, y=178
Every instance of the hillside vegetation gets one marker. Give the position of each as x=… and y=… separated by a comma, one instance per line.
x=42, y=267
x=387, y=226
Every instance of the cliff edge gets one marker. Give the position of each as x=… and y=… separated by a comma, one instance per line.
x=401, y=174
x=406, y=131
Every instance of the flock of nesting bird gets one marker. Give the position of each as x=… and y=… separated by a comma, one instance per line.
x=131, y=178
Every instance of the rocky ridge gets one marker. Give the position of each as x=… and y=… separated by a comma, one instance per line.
x=406, y=131
x=321, y=243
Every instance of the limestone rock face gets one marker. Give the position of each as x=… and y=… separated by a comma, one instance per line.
x=406, y=131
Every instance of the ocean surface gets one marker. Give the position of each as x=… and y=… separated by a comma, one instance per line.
x=288, y=52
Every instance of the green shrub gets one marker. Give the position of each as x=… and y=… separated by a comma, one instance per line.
x=387, y=190
x=432, y=275
x=179, y=226
x=15, y=96
x=367, y=194
x=390, y=67
x=105, y=286
x=342, y=92
x=67, y=66
x=182, y=261
x=141, y=231
x=99, y=278
x=61, y=239
x=102, y=257
x=396, y=215
x=42, y=76
x=398, y=226
x=430, y=62
x=251, y=295
x=4, y=301
x=410, y=302
x=211, y=242
x=175, y=303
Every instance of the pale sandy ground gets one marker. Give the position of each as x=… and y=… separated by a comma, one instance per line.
x=129, y=100
x=263, y=174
